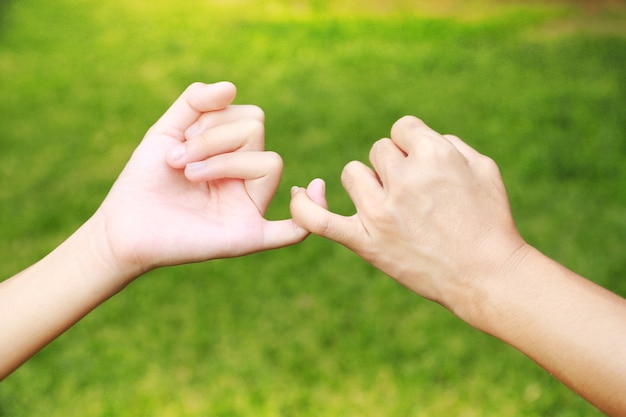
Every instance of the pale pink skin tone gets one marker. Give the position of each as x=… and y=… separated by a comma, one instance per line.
x=434, y=215
x=160, y=212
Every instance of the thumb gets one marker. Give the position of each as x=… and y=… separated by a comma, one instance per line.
x=315, y=218
x=195, y=100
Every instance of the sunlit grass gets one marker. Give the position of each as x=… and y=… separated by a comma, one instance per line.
x=309, y=330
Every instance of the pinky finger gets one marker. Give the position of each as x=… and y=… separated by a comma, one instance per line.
x=315, y=218
x=287, y=232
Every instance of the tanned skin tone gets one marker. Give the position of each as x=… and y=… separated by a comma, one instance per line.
x=434, y=215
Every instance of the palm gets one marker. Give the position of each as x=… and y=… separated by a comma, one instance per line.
x=158, y=217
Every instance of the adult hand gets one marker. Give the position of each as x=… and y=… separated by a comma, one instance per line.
x=433, y=214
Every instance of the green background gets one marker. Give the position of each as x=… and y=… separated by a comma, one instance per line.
x=309, y=330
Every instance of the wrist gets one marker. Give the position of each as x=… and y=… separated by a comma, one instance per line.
x=44, y=300
x=496, y=289
x=100, y=262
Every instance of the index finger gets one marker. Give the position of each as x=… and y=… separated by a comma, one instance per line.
x=409, y=132
x=198, y=98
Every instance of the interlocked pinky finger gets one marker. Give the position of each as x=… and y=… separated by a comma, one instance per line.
x=261, y=172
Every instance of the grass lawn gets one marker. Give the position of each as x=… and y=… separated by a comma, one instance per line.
x=309, y=330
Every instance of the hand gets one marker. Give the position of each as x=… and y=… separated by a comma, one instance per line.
x=433, y=214
x=155, y=216
x=210, y=145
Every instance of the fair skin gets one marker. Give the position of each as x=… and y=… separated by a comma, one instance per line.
x=434, y=215
x=197, y=188
x=161, y=211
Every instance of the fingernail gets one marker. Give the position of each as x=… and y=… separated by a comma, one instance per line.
x=177, y=153
x=294, y=190
x=192, y=132
x=195, y=166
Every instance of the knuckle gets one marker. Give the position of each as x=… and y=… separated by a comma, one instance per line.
x=406, y=122
x=254, y=133
x=195, y=85
x=256, y=112
x=274, y=159
x=379, y=215
x=410, y=120
x=323, y=226
x=255, y=125
x=489, y=165
x=433, y=146
x=379, y=147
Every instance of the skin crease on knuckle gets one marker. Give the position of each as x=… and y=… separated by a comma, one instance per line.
x=274, y=162
x=256, y=132
x=379, y=149
x=256, y=112
x=325, y=226
x=406, y=123
x=250, y=136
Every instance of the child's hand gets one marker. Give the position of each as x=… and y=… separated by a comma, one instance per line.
x=157, y=214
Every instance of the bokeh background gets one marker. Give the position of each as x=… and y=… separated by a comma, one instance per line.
x=309, y=330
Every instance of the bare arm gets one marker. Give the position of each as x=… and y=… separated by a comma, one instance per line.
x=573, y=328
x=44, y=300
x=161, y=211
x=434, y=215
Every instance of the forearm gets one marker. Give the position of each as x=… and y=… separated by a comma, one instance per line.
x=43, y=301
x=570, y=326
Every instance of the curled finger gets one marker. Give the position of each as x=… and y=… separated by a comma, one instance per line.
x=243, y=134
x=362, y=185
x=409, y=133
x=385, y=157
x=195, y=100
x=316, y=219
x=261, y=172
x=230, y=114
x=287, y=232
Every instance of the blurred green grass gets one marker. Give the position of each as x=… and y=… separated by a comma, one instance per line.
x=307, y=330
